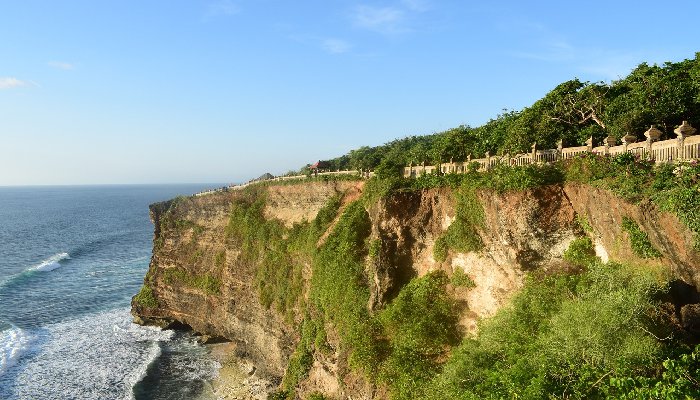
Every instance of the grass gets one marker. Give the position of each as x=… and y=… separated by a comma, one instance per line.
x=460, y=279
x=580, y=252
x=462, y=234
x=146, y=298
x=560, y=337
x=639, y=240
x=204, y=282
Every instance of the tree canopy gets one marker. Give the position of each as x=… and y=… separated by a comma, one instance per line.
x=660, y=95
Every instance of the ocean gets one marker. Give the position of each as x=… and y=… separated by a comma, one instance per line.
x=71, y=258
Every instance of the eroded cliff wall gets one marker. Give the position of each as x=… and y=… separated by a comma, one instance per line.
x=197, y=277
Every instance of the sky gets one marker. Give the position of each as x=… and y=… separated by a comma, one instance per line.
x=148, y=91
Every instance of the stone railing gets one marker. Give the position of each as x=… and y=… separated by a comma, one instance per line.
x=684, y=147
x=363, y=174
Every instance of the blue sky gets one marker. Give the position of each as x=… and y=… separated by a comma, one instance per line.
x=225, y=90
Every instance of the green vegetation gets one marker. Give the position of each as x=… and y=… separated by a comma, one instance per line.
x=573, y=111
x=462, y=235
x=301, y=361
x=420, y=326
x=591, y=333
x=583, y=223
x=204, y=282
x=146, y=298
x=562, y=336
x=307, y=179
x=679, y=381
x=220, y=259
x=339, y=289
x=279, y=252
x=460, y=279
x=580, y=252
x=678, y=191
x=639, y=240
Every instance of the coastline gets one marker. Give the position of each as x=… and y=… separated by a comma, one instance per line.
x=237, y=378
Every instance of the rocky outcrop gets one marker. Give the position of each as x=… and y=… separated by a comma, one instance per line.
x=523, y=231
x=190, y=246
x=605, y=212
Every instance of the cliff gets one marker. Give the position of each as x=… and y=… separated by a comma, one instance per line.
x=202, y=274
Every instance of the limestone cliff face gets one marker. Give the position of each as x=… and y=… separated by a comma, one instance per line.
x=523, y=231
x=190, y=245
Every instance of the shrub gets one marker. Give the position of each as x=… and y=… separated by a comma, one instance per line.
x=462, y=234
x=339, y=288
x=460, y=279
x=204, y=282
x=421, y=324
x=678, y=381
x=504, y=177
x=301, y=361
x=583, y=223
x=562, y=335
x=146, y=298
x=580, y=252
x=639, y=240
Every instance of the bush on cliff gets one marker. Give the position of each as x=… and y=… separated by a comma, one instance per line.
x=339, y=288
x=420, y=326
x=145, y=297
x=562, y=336
x=278, y=252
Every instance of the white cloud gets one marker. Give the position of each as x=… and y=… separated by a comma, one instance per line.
x=222, y=7
x=379, y=19
x=393, y=19
x=336, y=46
x=416, y=5
x=61, y=65
x=9, y=83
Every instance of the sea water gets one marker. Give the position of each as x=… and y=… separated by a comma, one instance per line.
x=71, y=258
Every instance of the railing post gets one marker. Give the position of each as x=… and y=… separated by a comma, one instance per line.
x=626, y=140
x=589, y=144
x=533, y=154
x=560, y=149
x=683, y=131
x=609, y=142
x=488, y=161
x=652, y=134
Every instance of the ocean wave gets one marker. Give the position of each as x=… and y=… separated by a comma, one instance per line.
x=139, y=373
x=13, y=343
x=101, y=356
x=46, y=265
x=50, y=263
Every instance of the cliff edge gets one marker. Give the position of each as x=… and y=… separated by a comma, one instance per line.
x=204, y=275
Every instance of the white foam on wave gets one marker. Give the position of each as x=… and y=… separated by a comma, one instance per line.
x=140, y=372
x=50, y=263
x=95, y=357
x=13, y=343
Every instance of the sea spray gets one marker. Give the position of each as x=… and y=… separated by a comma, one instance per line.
x=102, y=356
x=13, y=343
x=72, y=258
x=46, y=265
x=50, y=263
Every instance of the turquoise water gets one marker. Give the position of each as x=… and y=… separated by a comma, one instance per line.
x=71, y=258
